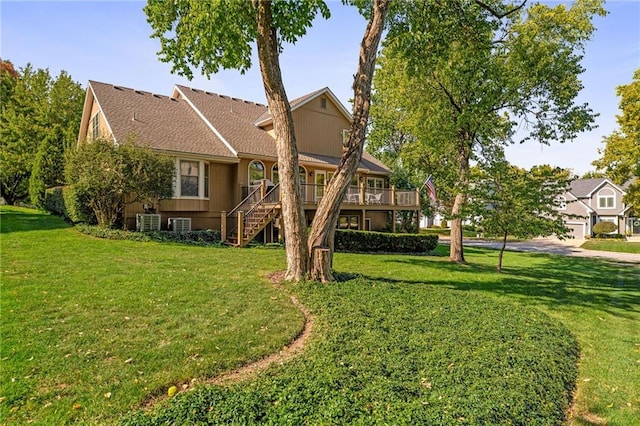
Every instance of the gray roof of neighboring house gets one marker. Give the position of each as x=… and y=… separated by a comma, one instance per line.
x=157, y=121
x=582, y=188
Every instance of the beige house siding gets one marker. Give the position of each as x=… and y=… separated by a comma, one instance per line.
x=320, y=130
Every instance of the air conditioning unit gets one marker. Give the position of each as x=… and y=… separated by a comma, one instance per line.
x=147, y=222
x=180, y=224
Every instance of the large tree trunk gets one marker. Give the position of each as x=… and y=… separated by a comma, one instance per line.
x=295, y=227
x=324, y=223
x=456, y=249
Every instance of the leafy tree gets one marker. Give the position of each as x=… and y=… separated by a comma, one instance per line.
x=35, y=104
x=108, y=176
x=621, y=154
x=48, y=166
x=593, y=174
x=467, y=74
x=213, y=35
x=507, y=200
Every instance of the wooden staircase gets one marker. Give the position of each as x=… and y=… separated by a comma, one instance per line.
x=252, y=215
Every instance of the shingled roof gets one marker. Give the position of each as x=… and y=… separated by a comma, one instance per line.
x=160, y=122
x=199, y=122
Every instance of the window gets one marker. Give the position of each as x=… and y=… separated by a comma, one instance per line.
x=375, y=183
x=349, y=222
x=561, y=203
x=323, y=103
x=302, y=174
x=206, y=180
x=192, y=179
x=95, y=126
x=189, y=178
x=606, y=199
x=256, y=171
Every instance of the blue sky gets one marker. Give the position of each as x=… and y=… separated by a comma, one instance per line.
x=109, y=41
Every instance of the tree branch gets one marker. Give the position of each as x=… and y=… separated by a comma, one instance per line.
x=497, y=14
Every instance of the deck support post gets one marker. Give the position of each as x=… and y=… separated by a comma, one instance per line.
x=223, y=225
x=240, y=228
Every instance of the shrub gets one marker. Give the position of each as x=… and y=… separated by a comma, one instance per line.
x=602, y=228
x=67, y=202
x=203, y=238
x=364, y=241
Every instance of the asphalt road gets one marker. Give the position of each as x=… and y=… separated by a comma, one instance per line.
x=553, y=246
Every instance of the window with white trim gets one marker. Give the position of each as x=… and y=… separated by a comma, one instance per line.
x=256, y=171
x=606, y=199
x=95, y=126
x=192, y=180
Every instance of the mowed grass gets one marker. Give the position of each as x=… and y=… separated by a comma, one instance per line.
x=91, y=328
x=51, y=377
x=612, y=245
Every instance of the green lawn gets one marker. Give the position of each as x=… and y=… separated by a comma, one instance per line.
x=612, y=245
x=92, y=328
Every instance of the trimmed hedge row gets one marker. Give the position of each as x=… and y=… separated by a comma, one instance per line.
x=201, y=238
x=65, y=201
x=365, y=241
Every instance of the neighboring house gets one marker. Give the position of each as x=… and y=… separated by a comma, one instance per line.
x=596, y=200
x=226, y=161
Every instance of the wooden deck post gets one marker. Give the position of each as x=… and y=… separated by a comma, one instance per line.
x=362, y=200
x=393, y=195
x=393, y=221
x=418, y=197
x=223, y=225
x=263, y=188
x=240, y=228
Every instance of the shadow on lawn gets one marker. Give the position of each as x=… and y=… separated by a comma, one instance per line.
x=13, y=219
x=552, y=280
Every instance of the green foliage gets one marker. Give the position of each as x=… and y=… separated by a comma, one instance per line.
x=77, y=205
x=48, y=166
x=212, y=35
x=38, y=107
x=65, y=201
x=456, y=80
x=110, y=176
x=398, y=353
x=602, y=228
x=200, y=238
x=371, y=242
x=621, y=154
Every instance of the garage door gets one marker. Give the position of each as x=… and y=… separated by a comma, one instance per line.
x=577, y=230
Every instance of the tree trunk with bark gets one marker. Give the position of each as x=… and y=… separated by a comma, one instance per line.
x=326, y=218
x=295, y=229
x=504, y=245
x=456, y=248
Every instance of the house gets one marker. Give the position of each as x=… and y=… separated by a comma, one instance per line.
x=226, y=172
x=589, y=201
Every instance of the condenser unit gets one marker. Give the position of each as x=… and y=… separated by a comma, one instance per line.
x=180, y=224
x=147, y=222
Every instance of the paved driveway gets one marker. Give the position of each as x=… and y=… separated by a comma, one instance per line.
x=553, y=246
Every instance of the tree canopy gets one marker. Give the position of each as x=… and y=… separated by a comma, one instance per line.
x=621, y=154
x=35, y=108
x=465, y=76
x=109, y=176
x=507, y=200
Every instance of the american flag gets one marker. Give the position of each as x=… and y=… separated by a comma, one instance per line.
x=431, y=188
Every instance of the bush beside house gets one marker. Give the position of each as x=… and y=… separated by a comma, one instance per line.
x=363, y=241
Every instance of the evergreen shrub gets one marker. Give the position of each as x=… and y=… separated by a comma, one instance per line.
x=366, y=241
